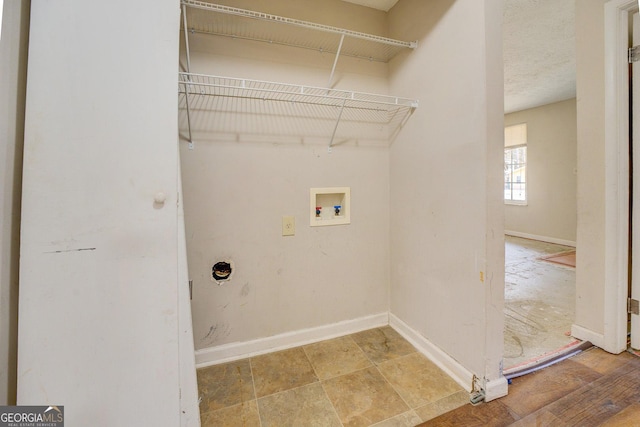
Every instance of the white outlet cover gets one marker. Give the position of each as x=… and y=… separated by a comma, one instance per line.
x=288, y=225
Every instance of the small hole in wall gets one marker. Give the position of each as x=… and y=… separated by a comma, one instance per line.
x=221, y=271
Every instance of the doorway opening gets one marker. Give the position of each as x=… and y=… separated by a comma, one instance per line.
x=540, y=181
x=540, y=287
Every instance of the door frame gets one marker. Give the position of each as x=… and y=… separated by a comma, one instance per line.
x=616, y=149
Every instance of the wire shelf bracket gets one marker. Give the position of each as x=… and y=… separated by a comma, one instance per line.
x=246, y=24
x=252, y=25
x=325, y=104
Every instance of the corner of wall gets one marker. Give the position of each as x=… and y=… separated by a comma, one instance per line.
x=452, y=367
x=13, y=60
x=495, y=389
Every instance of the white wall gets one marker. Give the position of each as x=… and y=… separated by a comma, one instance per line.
x=446, y=174
x=238, y=188
x=590, y=104
x=98, y=319
x=189, y=400
x=333, y=12
x=550, y=213
x=13, y=63
x=443, y=250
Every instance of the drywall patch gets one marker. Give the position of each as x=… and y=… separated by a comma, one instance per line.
x=222, y=271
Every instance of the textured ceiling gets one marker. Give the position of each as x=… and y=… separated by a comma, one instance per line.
x=539, y=53
x=539, y=50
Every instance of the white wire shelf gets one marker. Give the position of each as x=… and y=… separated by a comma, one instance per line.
x=209, y=18
x=226, y=105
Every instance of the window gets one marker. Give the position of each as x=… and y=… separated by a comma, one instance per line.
x=515, y=164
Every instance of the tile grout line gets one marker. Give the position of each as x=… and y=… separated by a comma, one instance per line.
x=441, y=399
x=335, y=411
x=361, y=349
x=318, y=380
x=255, y=394
x=289, y=389
x=293, y=388
x=394, y=389
x=411, y=408
x=315, y=372
x=372, y=364
x=323, y=382
x=341, y=375
x=376, y=366
x=350, y=373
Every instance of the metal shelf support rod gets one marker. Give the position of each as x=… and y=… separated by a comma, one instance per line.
x=186, y=36
x=186, y=99
x=335, y=61
x=335, y=128
x=186, y=89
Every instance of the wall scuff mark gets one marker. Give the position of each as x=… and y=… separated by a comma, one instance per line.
x=216, y=332
x=71, y=250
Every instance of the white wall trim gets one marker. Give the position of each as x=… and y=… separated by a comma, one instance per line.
x=452, y=367
x=495, y=389
x=616, y=201
x=240, y=350
x=540, y=238
x=587, y=335
x=189, y=402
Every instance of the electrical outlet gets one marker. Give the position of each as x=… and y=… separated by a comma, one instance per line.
x=288, y=225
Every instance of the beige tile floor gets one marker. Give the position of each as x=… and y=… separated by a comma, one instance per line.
x=371, y=378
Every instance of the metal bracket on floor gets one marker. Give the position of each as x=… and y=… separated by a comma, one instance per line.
x=477, y=390
x=477, y=398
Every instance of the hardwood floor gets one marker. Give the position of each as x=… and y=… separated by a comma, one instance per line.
x=593, y=388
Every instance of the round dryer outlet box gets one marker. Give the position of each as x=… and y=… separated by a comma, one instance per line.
x=222, y=271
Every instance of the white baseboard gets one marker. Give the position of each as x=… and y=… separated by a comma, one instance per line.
x=452, y=367
x=240, y=350
x=495, y=389
x=585, y=334
x=540, y=238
